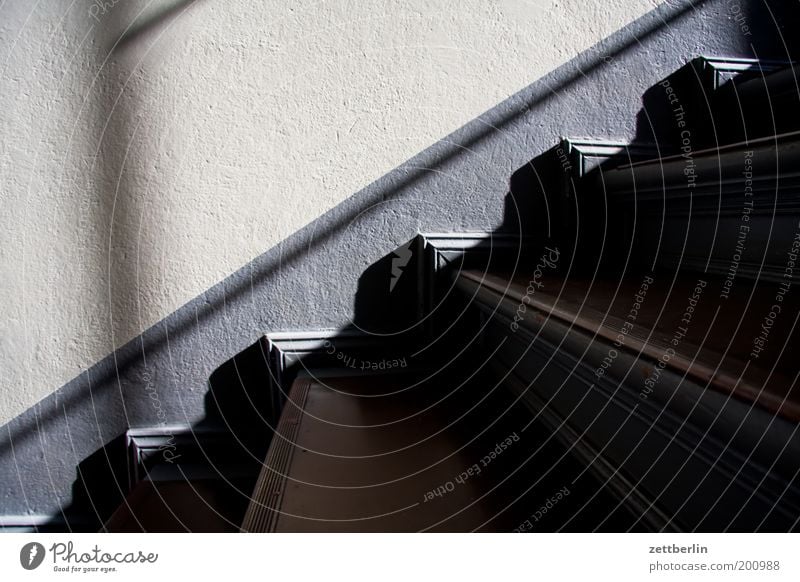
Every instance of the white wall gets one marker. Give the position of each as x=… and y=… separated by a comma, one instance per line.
x=152, y=150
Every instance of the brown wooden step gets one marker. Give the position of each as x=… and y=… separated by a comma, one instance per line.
x=720, y=335
x=177, y=506
x=373, y=453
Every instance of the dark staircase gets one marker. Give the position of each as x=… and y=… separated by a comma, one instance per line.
x=620, y=358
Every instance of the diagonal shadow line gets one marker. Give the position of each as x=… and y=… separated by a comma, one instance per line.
x=151, y=22
x=296, y=246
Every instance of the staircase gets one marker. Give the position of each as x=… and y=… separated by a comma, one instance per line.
x=621, y=360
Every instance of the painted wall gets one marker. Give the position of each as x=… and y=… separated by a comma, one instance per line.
x=195, y=175
x=151, y=148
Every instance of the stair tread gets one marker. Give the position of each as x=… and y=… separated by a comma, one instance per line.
x=365, y=454
x=719, y=356
x=770, y=143
x=199, y=505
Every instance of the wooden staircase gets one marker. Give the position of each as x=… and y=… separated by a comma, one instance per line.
x=627, y=362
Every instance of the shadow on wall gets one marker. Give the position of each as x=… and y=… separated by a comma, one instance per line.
x=126, y=32
x=245, y=397
x=227, y=318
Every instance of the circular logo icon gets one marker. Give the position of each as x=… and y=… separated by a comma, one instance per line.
x=31, y=555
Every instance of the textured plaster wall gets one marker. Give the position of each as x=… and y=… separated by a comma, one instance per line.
x=151, y=148
x=193, y=175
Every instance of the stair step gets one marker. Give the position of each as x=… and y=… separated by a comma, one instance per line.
x=360, y=454
x=656, y=401
x=718, y=359
x=732, y=209
x=713, y=169
x=183, y=505
x=404, y=454
x=723, y=101
x=750, y=108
